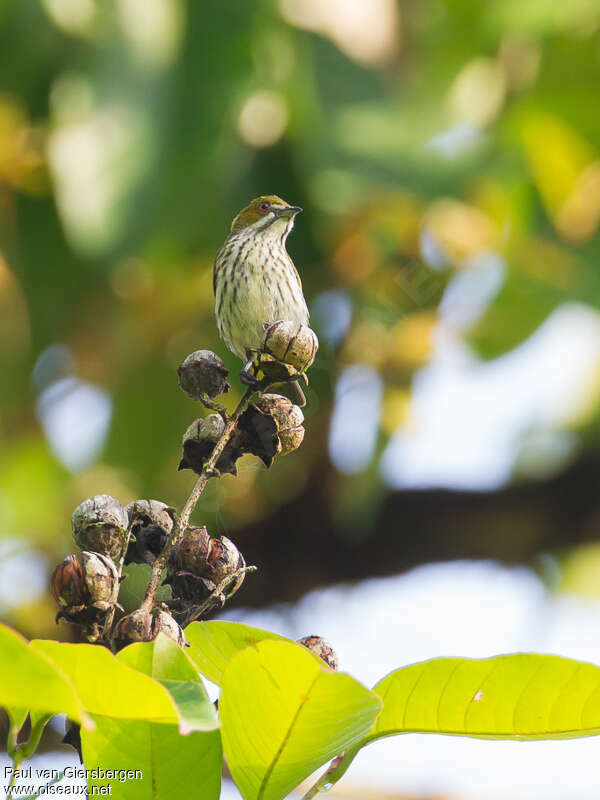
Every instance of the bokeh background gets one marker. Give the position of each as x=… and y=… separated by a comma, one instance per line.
x=447, y=155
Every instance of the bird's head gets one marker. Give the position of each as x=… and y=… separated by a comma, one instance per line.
x=266, y=212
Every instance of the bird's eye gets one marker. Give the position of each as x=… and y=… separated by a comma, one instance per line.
x=265, y=206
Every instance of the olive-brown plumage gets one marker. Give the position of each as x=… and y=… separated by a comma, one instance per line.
x=254, y=278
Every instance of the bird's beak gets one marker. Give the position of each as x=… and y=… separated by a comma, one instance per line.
x=288, y=211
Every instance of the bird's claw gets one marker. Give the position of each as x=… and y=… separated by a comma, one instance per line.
x=246, y=375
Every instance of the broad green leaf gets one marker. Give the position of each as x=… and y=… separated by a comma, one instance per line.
x=196, y=712
x=31, y=681
x=170, y=666
x=172, y=765
x=522, y=696
x=284, y=714
x=214, y=644
x=105, y=685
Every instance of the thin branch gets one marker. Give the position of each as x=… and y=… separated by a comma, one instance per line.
x=216, y=597
x=333, y=773
x=208, y=471
x=212, y=406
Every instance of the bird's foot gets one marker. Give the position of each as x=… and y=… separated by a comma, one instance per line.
x=247, y=376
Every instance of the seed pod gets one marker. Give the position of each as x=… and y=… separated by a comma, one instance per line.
x=286, y=415
x=271, y=426
x=192, y=551
x=200, y=563
x=291, y=344
x=85, y=593
x=224, y=559
x=101, y=580
x=186, y=564
x=99, y=525
x=164, y=623
x=150, y=524
x=134, y=627
x=68, y=583
x=199, y=441
x=273, y=371
x=209, y=430
x=203, y=373
x=320, y=647
x=188, y=589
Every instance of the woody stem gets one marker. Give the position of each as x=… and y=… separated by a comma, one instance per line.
x=183, y=519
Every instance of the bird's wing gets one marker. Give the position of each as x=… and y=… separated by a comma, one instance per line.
x=299, y=279
x=215, y=262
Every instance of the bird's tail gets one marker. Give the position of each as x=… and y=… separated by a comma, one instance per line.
x=291, y=390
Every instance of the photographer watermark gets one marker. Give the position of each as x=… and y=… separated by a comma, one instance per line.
x=37, y=782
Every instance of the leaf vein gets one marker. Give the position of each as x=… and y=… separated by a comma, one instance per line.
x=528, y=683
x=441, y=694
x=482, y=683
x=286, y=738
x=559, y=695
x=412, y=691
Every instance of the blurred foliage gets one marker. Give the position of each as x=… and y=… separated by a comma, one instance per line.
x=419, y=135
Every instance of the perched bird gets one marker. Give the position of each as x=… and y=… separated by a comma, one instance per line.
x=254, y=279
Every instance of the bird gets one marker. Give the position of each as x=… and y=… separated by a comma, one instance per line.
x=255, y=281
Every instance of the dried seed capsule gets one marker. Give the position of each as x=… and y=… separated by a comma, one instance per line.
x=68, y=583
x=203, y=373
x=134, y=627
x=224, y=559
x=186, y=566
x=209, y=429
x=320, y=647
x=273, y=371
x=192, y=551
x=164, y=623
x=271, y=426
x=200, y=563
x=189, y=588
x=150, y=523
x=101, y=580
x=199, y=441
x=286, y=415
x=291, y=344
x=99, y=525
x=85, y=593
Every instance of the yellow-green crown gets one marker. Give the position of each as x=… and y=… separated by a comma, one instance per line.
x=256, y=210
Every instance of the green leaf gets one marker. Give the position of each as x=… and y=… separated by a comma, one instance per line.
x=170, y=666
x=105, y=685
x=522, y=696
x=214, y=644
x=171, y=765
x=284, y=713
x=31, y=681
